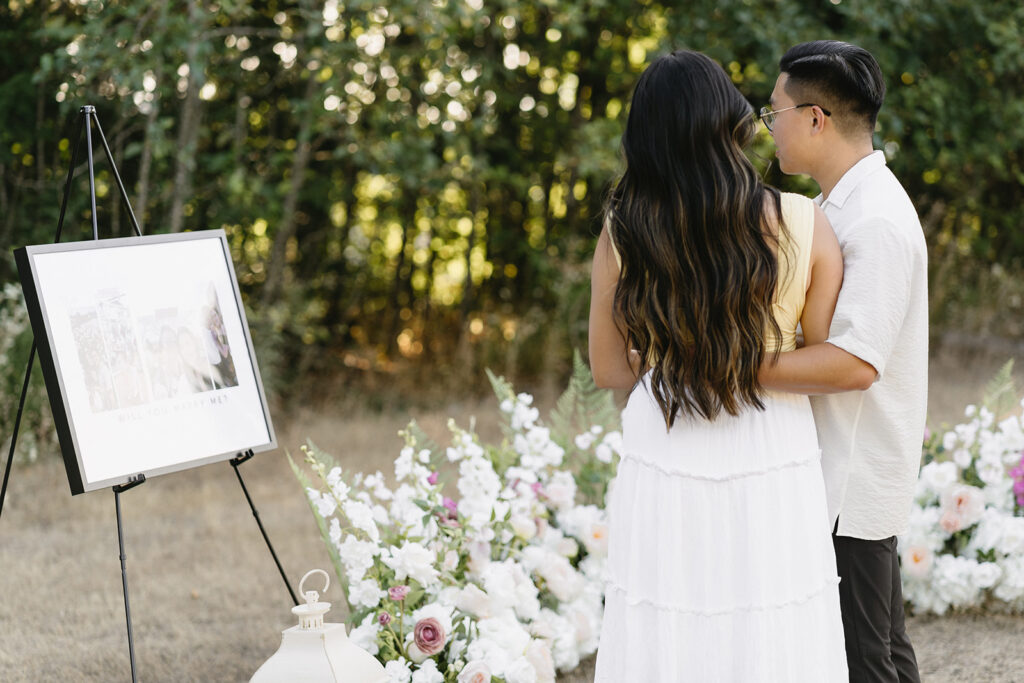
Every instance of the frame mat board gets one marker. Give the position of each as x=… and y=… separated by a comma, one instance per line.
x=146, y=354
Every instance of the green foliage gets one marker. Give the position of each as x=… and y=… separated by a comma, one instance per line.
x=421, y=183
x=582, y=405
x=1001, y=393
x=321, y=463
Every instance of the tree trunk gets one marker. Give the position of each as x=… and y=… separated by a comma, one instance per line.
x=286, y=231
x=188, y=130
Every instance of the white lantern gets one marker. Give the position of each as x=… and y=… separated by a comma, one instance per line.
x=315, y=652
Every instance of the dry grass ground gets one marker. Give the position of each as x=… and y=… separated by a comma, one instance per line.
x=207, y=602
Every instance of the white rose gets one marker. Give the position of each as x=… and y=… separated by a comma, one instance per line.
x=965, y=501
x=917, y=560
x=539, y=656
x=474, y=601
x=489, y=652
x=475, y=672
x=417, y=655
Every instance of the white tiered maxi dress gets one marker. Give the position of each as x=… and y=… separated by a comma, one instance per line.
x=720, y=566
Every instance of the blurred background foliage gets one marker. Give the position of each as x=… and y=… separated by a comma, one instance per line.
x=412, y=189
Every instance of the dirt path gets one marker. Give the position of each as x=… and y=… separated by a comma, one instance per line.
x=207, y=602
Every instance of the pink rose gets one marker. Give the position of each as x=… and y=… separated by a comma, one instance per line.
x=398, y=593
x=429, y=636
x=950, y=522
x=384, y=618
x=475, y=672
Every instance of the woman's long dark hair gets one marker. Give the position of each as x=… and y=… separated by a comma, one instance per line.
x=690, y=219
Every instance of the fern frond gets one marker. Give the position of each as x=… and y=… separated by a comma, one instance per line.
x=321, y=523
x=582, y=405
x=1001, y=392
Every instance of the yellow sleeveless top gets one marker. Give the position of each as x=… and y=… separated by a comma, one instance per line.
x=794, y=260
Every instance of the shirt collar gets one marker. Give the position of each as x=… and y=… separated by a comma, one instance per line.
x=851, y=179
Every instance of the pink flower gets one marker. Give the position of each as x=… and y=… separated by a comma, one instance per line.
x=384, y=618
x=537, y=488
x=950, y=522
x=451, y=505
x=429, y=636
x=398, y=593
x=432, y=479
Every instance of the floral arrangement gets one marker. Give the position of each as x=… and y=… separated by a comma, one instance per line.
x=965, y=545
x=36, y=434
x=496, y=577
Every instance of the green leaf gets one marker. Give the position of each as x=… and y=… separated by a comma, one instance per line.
x=1001, y=392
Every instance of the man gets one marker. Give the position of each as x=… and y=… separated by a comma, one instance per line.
x=822, y=116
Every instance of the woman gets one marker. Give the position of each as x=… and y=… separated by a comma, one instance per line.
x=720, y=565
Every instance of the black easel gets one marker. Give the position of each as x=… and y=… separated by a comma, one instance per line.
x=85, y=121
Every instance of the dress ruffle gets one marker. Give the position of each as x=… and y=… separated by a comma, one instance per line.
x=720, y=564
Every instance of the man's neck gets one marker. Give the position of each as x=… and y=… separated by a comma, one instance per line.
x=841, y=159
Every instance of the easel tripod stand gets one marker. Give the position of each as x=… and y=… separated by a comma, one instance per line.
x=87, y=118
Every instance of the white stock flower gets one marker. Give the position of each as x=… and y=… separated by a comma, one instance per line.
x=953, y=581
x=335, y=531
x=365, y=593
x=357, y=556
x=404, y=463
x=987, y=574
x=361, y=516
x=412, y=560
x=938, y=476
x=524, y=527
x=365, y=635
x=490, y=652
x=479, y=486
x=963, y=458
x=539, y=655
x=1011, y=540
x=428, y=673
x=584, y=441
x=991, y=472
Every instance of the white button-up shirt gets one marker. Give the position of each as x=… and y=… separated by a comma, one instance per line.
x=871, y=440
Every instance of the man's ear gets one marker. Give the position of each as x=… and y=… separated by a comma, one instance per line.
x=817, y=120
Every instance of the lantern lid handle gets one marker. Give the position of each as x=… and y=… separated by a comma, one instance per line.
x=312, y=596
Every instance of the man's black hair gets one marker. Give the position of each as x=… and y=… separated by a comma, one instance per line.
x=846, y=77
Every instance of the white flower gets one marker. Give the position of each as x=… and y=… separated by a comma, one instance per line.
x=507, y=631
x=560, y=578
x=953, y=581
x=991, y=472
x=335, y=531
x=365, y=593
x=561, y=490
x=1011, y=540
x=965, y=502
x=524, y=527
x=451, y=561
x=963, y=458
x=412, y=560
x=398, y=671
x=357, y=556
x=490, y=652
x=917, y=560
x=417, y=655
x=539, y=656
x=474, y=601
x=584, y=441
x=986, y=574
x=949, y=440
x=1011, y=588
x=428, y=673
x=361, y=516
x=938, y=476
x=404, y=463
x=475, y=672
x=325, y=504
x=365, y=635
x=520, y=670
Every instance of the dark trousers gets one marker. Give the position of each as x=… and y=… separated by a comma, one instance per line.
x=871, y=600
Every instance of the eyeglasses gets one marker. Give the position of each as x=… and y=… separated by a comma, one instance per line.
x=768, y=115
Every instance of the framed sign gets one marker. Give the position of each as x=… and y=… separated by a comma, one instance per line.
x=146, y=354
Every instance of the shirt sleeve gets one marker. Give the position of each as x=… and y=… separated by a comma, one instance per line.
x=873, y=301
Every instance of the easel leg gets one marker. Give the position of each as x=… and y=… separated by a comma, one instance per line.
x=124, y=573
x=235, y=462
x=17, y=424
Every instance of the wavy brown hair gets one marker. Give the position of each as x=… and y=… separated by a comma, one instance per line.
x=690, y=218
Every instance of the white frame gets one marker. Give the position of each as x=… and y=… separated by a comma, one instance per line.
x=188, y=391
